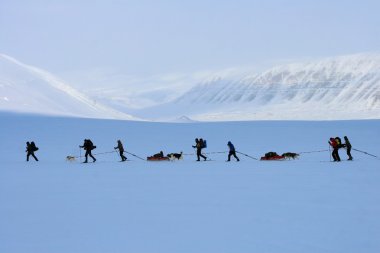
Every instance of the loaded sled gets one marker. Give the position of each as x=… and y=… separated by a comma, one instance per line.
x=272, y=156
x=152, y=158
x=158, y=157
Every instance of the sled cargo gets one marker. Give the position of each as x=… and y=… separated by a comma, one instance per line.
x=272, y=156
x=152, y=158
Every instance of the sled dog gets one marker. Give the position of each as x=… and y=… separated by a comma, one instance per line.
x=173, y=156
x=289, y=155
x=70, y=158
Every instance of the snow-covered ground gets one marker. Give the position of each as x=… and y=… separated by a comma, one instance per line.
x=305, y=205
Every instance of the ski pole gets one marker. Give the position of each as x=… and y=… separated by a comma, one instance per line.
x=116, y=153
x=135, y=155
x=247, y=155
x=80, y=154
x=365, y=152
x=330, y=152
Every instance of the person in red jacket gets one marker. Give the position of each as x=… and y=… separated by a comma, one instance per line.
x=335, y=147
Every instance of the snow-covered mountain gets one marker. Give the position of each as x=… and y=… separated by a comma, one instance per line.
x=337, y=88
x=25, y=88
x=346, y=87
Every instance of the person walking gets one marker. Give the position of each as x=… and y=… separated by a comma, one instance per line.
x=121, y=150
x=348, y=146
x=30, y=149
x=88, y=146
x=335, y=154
x=199, y=144
x=232, y=152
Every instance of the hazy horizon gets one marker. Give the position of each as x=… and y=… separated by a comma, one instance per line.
x=138, y=39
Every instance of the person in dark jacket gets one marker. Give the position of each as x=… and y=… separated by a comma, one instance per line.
x=88, y=146
x=121, y=150
x=333, y=143
x=232, y=152
x=199, y=145
x=348, y=146
x=30, y=149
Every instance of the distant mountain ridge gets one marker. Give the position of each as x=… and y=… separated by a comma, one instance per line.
x=346, y=87
x=338, y=88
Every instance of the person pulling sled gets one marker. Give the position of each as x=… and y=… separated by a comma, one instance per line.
x=335, y=145
x=348, y=147
x=199, y=145
x=121, y=150
x=30, y=149
x=232, y=152
x=88, y=146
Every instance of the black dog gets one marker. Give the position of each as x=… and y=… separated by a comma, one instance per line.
x=173, y=156
x=289, y=155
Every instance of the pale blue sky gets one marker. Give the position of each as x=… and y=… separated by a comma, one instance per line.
x=143, y=37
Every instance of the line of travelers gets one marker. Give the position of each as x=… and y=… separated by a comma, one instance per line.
x=88, y=146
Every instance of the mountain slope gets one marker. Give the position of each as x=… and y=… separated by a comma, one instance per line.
x=337, y=88
x=24, y=88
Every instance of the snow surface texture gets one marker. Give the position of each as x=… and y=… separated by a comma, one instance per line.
x=305, y=205
x=24, y=88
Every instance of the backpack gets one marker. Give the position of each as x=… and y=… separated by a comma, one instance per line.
x=91, y=145
x=204, y=144
x=33, y=146
x=338, y=142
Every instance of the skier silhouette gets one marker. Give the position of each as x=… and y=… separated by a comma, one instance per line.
x=348, y=146
x=88, y=146
x=199, y=144
x=30, y=149
x=232, y=152
x=121, y=150
x=334, y=144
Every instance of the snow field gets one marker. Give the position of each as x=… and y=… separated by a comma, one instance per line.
x=305, y=205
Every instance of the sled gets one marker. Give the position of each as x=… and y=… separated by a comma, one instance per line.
x=152, y=158
x=272, y=156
